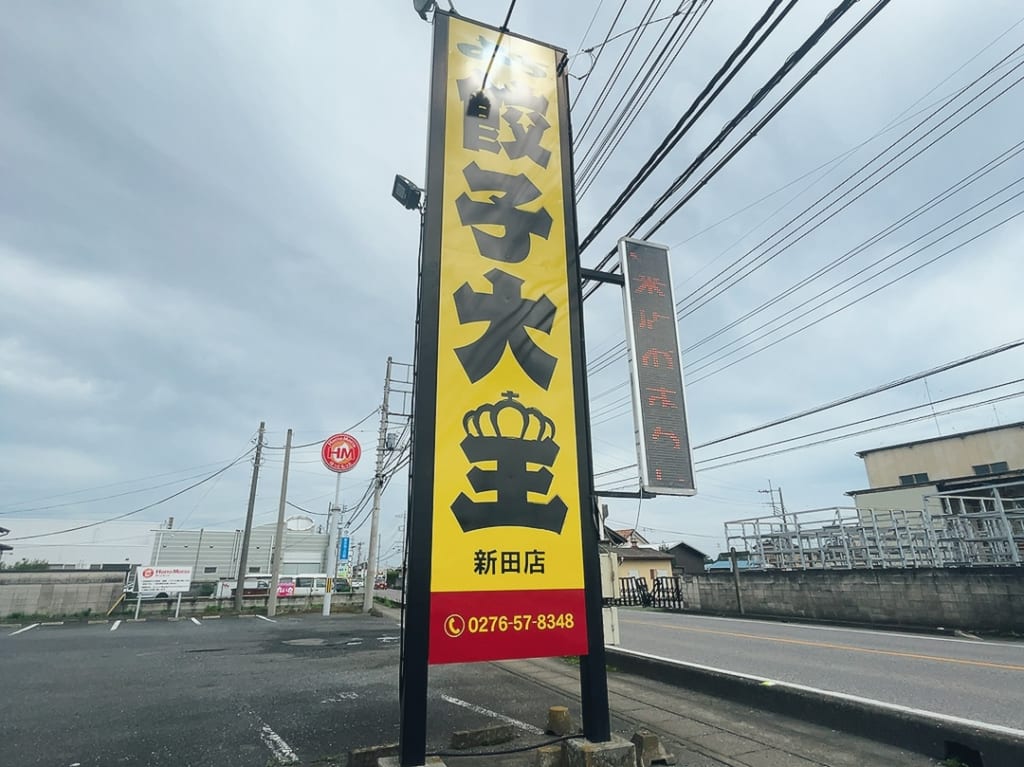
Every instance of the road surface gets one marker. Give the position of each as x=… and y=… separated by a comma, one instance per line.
x=971, y=679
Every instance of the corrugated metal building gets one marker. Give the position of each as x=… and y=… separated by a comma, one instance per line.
x=213, y=554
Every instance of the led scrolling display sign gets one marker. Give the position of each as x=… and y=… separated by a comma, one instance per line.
x=663, y=440
x=509, y=476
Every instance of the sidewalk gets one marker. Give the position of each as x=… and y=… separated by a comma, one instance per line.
x=703, y=731
x=699, y=730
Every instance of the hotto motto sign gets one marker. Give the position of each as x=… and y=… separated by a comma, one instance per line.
x=341, y=453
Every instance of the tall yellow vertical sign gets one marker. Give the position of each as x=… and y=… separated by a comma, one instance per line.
x=506, y=457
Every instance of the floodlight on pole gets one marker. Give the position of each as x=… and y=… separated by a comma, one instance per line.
x=423, y=7
x=407, y=193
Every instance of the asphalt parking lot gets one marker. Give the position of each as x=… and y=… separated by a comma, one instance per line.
x=229, y=691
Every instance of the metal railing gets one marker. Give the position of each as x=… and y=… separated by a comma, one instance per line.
x=983, y=526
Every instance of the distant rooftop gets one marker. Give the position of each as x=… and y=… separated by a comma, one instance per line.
x=958, y=435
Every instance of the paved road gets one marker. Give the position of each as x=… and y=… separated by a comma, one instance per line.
x=233, y=692
x=978, y=680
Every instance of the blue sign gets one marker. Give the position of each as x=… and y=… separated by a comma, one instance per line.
x=343, y=549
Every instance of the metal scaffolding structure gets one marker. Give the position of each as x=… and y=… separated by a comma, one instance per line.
x=982, y=526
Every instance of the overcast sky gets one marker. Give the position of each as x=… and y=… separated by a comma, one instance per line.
x=197, y=234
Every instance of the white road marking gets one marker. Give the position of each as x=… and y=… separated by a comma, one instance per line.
x=20, y=631
x=265, y=618
x=197, y=621
x=840, y=695
x=487, y=712
x=339, y=697
x=852, y=630
x=116, y=624
x=281, y=750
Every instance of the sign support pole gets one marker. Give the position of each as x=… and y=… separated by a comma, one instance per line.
x=278, y=555
x=332, y=542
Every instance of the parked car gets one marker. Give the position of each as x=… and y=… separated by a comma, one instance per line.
x=342, y=586
x=357, y=584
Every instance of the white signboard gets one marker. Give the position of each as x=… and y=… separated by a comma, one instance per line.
x=163, y=580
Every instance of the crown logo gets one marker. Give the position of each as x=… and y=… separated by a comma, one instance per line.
x=512, y=435
x=508, y=418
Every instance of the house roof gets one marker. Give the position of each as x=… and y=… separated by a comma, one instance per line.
x=632, y=533
x=948, y=483
x=958, y=435
x=688, y=547
x=640, y=552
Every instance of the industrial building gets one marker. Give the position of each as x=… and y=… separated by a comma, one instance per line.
x=955, y=500
x=214, y=554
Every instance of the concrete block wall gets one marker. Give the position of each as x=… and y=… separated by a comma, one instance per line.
x=63, y=592
x=981, y=599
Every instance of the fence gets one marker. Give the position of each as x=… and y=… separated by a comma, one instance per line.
x=667, y=593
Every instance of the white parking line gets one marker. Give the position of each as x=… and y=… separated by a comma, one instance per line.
x=265, y=618
x=19, y=631
x=281, y=750
x=116, y=624
x=197, y=621
x=487, y=712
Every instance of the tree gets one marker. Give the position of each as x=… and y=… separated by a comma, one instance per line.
x=28, y=565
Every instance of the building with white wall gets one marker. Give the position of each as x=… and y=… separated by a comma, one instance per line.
x=214, y=554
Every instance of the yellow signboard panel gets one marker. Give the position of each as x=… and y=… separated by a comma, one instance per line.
x=506, y=549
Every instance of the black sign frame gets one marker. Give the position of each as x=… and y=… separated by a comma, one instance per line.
x=664, y=453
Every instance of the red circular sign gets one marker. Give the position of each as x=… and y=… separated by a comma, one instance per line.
x=147, y=573
x=341, y=453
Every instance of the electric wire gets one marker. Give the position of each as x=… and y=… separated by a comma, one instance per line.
x=617, y=71
x=862, y=432
x=697, y=107
x=952, y=365
x=947, y=193
x=148, y=506
x=597, y=58
x=594, y=160
x=694, y=366
x=876, y=290
x=686, y=306
x=833, y=17
x=683, y=309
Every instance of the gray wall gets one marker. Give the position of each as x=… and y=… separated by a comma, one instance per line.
x=59, y=593
x=981, y=599
x=213, y=554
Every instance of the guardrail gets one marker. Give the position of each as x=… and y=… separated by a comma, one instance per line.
x=198, y=606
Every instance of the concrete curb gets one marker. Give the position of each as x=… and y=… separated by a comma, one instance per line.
x=934, y=736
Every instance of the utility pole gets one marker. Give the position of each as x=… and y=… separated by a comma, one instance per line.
x=332, y=543
x=243, y=556
x=275, y=563
x=370, y=581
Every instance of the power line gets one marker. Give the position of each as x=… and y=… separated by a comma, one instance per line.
x=868, y=294
x=596, y=157
x=597, y=58
x=925, y=417
x=877, y=262
x=141, y=508
x=684, y=309
x=868, y=392
x=697, y=107
x=862, y=421
x=758, y=97
x=904, y=220
x=353, y=427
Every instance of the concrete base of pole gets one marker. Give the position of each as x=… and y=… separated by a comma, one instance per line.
x=393, y=761
x=559, y=721
x=618, y=752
